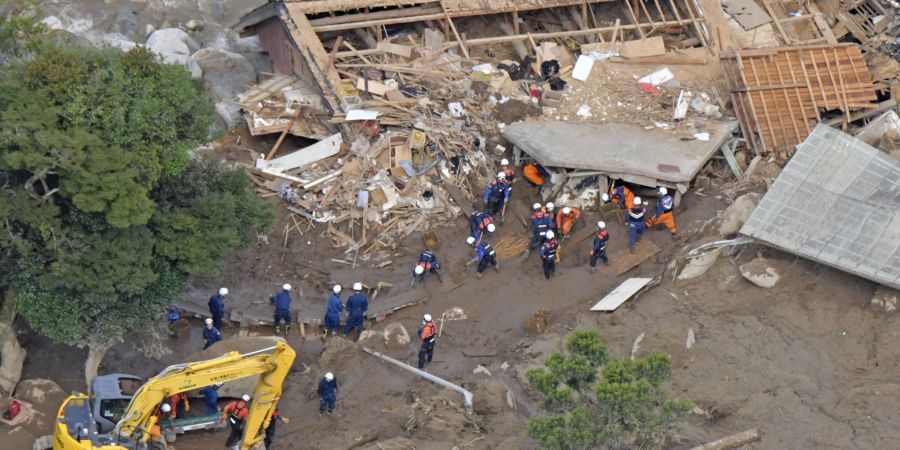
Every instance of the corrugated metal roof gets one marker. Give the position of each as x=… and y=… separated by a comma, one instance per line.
x=836, y=202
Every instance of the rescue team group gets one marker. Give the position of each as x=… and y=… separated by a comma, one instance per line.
x=549, y=228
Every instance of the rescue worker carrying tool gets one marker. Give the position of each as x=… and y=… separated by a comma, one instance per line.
x=540, y=225
x=482, y=223
x=496, y=195
x=282, y=302
x=236, y=413
x=357, y=305
x=428, y=334
x=484, y=255
x=211, y=334
x=634, y=220
x=333, y=311
x=217, y=307
x=427, y=263
x=664, y=215
x=327, y=391
x=620, y=195
x=550, y=255
x=599, y=251
x=565, y=221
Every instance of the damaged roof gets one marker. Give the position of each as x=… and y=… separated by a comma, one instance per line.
x=836, y=202
x=623, y=151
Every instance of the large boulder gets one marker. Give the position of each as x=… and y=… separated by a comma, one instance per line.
x=761, y=272
x=226, y=73
x=125, y=23
x=733, y=218
x=171, y=41
x=490, y=397
x=700, y=264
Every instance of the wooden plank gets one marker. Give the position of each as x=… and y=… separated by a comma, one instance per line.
x=846, y=108
x=643, y=47
x=620, y=294
x=395, y=49
x=459, y=40
x=375, y=87
x=797, y=93
x=788, y=101
x=764, y=106
x=734, y=441
x=635, y=19
x=756, y=122
x=283, y=134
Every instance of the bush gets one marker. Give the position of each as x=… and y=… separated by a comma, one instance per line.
x=626, y=407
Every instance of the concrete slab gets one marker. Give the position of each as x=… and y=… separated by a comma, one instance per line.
x=620, y=150
x=836, y=202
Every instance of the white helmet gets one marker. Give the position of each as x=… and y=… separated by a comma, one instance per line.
x=357, y=286
x=208, y=321
x=550, y=235
x=637, y=201
x=663, y=191
x=245, y=398
x=329, y=376
x=427, y=317
x=420, y=270
x=567, y=210
x=550, y=205
x=504, y=162
x=491, y=228
x=605, y=197
x=336, y=289
x=286, y=287
x=501, y=175
x=223, y=291
x=470, y=240
x=536, y=206
x=601, y=225
x=166, y=407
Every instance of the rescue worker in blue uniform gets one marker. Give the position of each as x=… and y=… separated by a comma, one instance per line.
x=664, y=212
x=211, y=398
x=599, y=251
x=427, y=335
x=482, y=223
x=550, y=254
x=327, y=391
x=497, y=194
x=333, y=312
x=357, y=305
x=427, y=263
x=217, y=307
x=484, y=256
x=540, y=225
x=211, y=334
x=634, y=220
x=282, y=302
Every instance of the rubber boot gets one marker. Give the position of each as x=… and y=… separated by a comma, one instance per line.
x=497, y=267
x=287, y=329
x=278, y=329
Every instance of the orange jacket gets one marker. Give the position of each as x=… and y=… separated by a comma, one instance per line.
x=178, y=398
x=533, y=175
x=238, y=408
x=564, y=223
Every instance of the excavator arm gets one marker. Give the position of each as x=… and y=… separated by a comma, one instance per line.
x=271, y=364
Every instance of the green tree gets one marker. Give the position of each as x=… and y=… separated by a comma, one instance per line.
x=103, y=215
x=594, y=400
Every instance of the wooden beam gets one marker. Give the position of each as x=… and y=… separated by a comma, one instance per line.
x=459, y=39
x=535, y=36
x=733, y=441
x=377, y=15
x=314, y=55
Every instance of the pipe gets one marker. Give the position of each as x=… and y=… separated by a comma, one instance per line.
x=467, y=396
x=740, y=240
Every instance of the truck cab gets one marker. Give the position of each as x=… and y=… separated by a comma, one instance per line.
x=111, y=394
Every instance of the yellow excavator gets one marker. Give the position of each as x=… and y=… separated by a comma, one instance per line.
x=76, y=429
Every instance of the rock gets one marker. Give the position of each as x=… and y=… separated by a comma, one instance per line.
x=481, y=369
x=194, y=25
x=395, y=335
x=760, y=272
x=171, y=41
x=226, y=73
x=52, y=23
x=125, y=23
x=148, y=30
x=119, y=41
x=44, y=396
x=229, y=113
x=490, y=397
x=13, y=355
x=886, y=298
x=733, y=218
x=699, y=264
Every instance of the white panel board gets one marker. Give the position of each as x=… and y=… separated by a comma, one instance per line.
x=316, y=152
x=618, y=296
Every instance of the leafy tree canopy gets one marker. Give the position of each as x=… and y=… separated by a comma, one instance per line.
x=595, y=401
x=103, y=214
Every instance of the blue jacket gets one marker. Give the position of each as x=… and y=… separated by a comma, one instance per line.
x=212, y=335
x=635, y=215
x=334, y=305
x=210, y=397
x=357, y=304
x=481, y=220
x=217, y=305
x=665, y=204
x=497, y=188
x=540, y=222
x=483, y=249
x=327, y=388
x=428, y=258
x=600, y=240
x=282, y=300
x=548, y=250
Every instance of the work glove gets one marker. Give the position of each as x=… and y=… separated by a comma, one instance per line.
x=285, y=420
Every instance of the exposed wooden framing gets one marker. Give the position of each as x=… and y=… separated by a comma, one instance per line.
x=766, y=107
x=515, y=16
x=694, y=22
x=843, y=92
x=787, y=101
x=662, y=16
x=536, y=36
x=740, y=63
x=790, y=68
x=635, y=19
x=314, y=55
x=459, y=39
x=649, y=17
x=377, y=15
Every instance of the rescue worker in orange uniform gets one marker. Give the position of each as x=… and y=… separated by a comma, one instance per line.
x=535, y=174
x=664, y=214
x=620, y=195
x=236, y=414
x=427, y=334
x=180, y=404
x=566, y=220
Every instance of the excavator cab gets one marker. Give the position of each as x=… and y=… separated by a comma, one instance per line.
x=77, y=429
